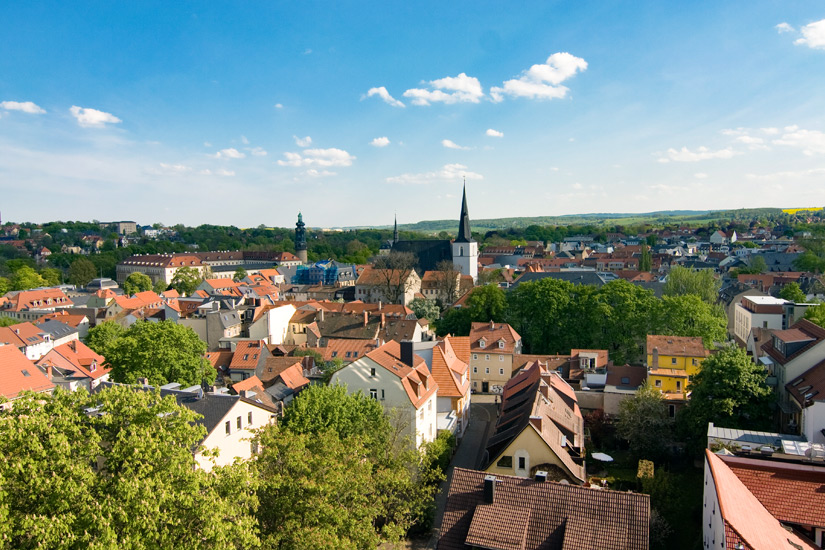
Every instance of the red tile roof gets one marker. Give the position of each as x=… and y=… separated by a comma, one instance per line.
x=348, y=350
x=743, y=514
x=417, y=382
x=18, y=374
x=247, y=354
x=492, y=333
x=448, y=371
x=78, y=357
x=678, y=346
x=553, y=516
x=46, y=298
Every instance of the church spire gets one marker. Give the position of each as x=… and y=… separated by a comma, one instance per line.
x=464, y=235
x=395, y=230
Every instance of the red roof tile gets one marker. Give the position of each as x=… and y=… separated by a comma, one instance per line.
x=18, y=374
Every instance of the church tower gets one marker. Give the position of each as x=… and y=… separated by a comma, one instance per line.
x=301, y=239
x=395, y=231
x=465, y=249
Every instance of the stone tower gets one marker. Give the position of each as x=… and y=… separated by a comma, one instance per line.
x=465, y=248
x=301, y=239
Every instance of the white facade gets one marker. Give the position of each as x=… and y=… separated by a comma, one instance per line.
x=713, y=525
x=369, y=377
x=465, y=258
x=273, y=326
x=813, y=422
x=232, y=436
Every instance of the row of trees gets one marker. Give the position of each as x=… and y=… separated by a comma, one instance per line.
x=115, y=470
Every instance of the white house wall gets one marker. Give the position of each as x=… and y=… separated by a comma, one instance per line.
x=237, y=443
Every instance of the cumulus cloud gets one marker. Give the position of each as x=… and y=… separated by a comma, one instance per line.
x=813, y=172
x=230, y=153
x=258, y=151
x=812, y=142
x=318, y=157
x=813, y=35
x=222, y=172
x=382, y=92
x=382, y=141
x=313, y=173
x=784, y=27
x=244, y=140
x=450, y=144
x=542, y=81
x=448, y=90
x=702, y=153
x=700, y=176
x=279, y=106
x=92, y=118
x=494, y=133
x=23, y=106
x=448, y=172
x=302, y=142
x=174, y=168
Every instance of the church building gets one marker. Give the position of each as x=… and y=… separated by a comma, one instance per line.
x=463, y=251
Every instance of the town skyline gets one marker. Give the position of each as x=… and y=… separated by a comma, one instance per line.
x=139, y=112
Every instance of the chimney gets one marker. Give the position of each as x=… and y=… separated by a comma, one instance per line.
x=541, y=476
x=407, y=353
x=321, y=315
x=536, y=422
x=143, y=381
x=380, y=305
x=366, y=318
x=489, y=488
x=655, y=364
x=48, y=371
x=492, y=325
x=73, y=345
x=383, y=320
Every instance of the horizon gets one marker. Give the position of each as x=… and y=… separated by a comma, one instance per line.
x=241, y=115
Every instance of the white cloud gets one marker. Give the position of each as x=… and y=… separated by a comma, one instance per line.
x=380, y=141
x=230, y=153
x=302, y=142
x=784, y=27
x=23, y=106
x=307, y=51
x=92, y=118
x=542, y=81
x=700, y=176
x=448, y=172
x=174, y=168
x=258, y=151
x=702, y=153
x=279, y=106
x=813, y=35
x=313, y=173
x=221, y=172
x=244, y=140
x=382, y=92
x=811, y=142
x=817, y=172
x=319, y=157
x=450, y=144
x=459, y=89
x=207, y=144
x=494, y=133
x=770, y=131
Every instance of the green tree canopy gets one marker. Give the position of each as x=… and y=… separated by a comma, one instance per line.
x=81, y=272
x=644, y=423
x=701, y=282
x=5, y=285
x=25, y=278
x=816, y=314
x=485, y=303
x=688, y=315
x=51, y=276
x=731, y=392
x=103, y=335
x=793, y=293
x=240, y=274
x=186, y=280
x=162, y=352
x=136, y=282
x=160, y=286
x=425, y=309
x=122, y=478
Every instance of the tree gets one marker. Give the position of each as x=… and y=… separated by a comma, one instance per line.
x=793, y=293
x=688, y=315
x=186, y=280
x=240, y=274
x=160, y=286
x=136, y=282
x=51, y=276
x=425, y=309
x=448, y=282
x=816, y=314
x=8, y=321
x=163, y=352
x=485, y=303
x=731, y=392
x=123, y=477
x=538, y=311
x=644, y=423
x=81, y=272
x=645, y=262
x=333, y=475
x=623, y=321
x=25, y=278
x=5, y=285
x=392, y=272
x=701, y=282
x=103, y=335
x=757, y=264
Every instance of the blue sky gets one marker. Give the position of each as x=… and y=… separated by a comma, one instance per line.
x=245, y=113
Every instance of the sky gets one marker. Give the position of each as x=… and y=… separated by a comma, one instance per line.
x=245, y=113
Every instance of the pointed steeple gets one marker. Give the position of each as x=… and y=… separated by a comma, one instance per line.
x=395, y=230
x=464, y=234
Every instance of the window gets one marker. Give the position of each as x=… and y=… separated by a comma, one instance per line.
x=487, y=370
x=522, y=463
x=374, y=394
x=505, y=462
x=671, y=411
x=486, y=357
x=334, y=353
x=501, y=358
x=475, y=356
x=672, y=360
x=658, y=383
x=695, y=362
x=501, y=344
x=382, y=395
x=475, y=370
x=249, y=419
x=228, y=427
x=482, y=343
x=678, y=385
x=239, y=423
x=501, y=372
x=372, y=372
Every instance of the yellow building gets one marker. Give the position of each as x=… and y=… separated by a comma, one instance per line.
x=683, y=353
x=673, y=381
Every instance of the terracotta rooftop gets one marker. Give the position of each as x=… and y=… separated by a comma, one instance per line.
x=417, y=381
x=449, y=371
x=531, y=515
x=18, y=374
x=347, y=350
x=808, y=387
x=247, y=355
x=77, y=356
x=492, y=333
x=678, y=346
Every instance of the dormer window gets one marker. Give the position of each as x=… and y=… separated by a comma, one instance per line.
x=501, y=344
x=482, y=343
